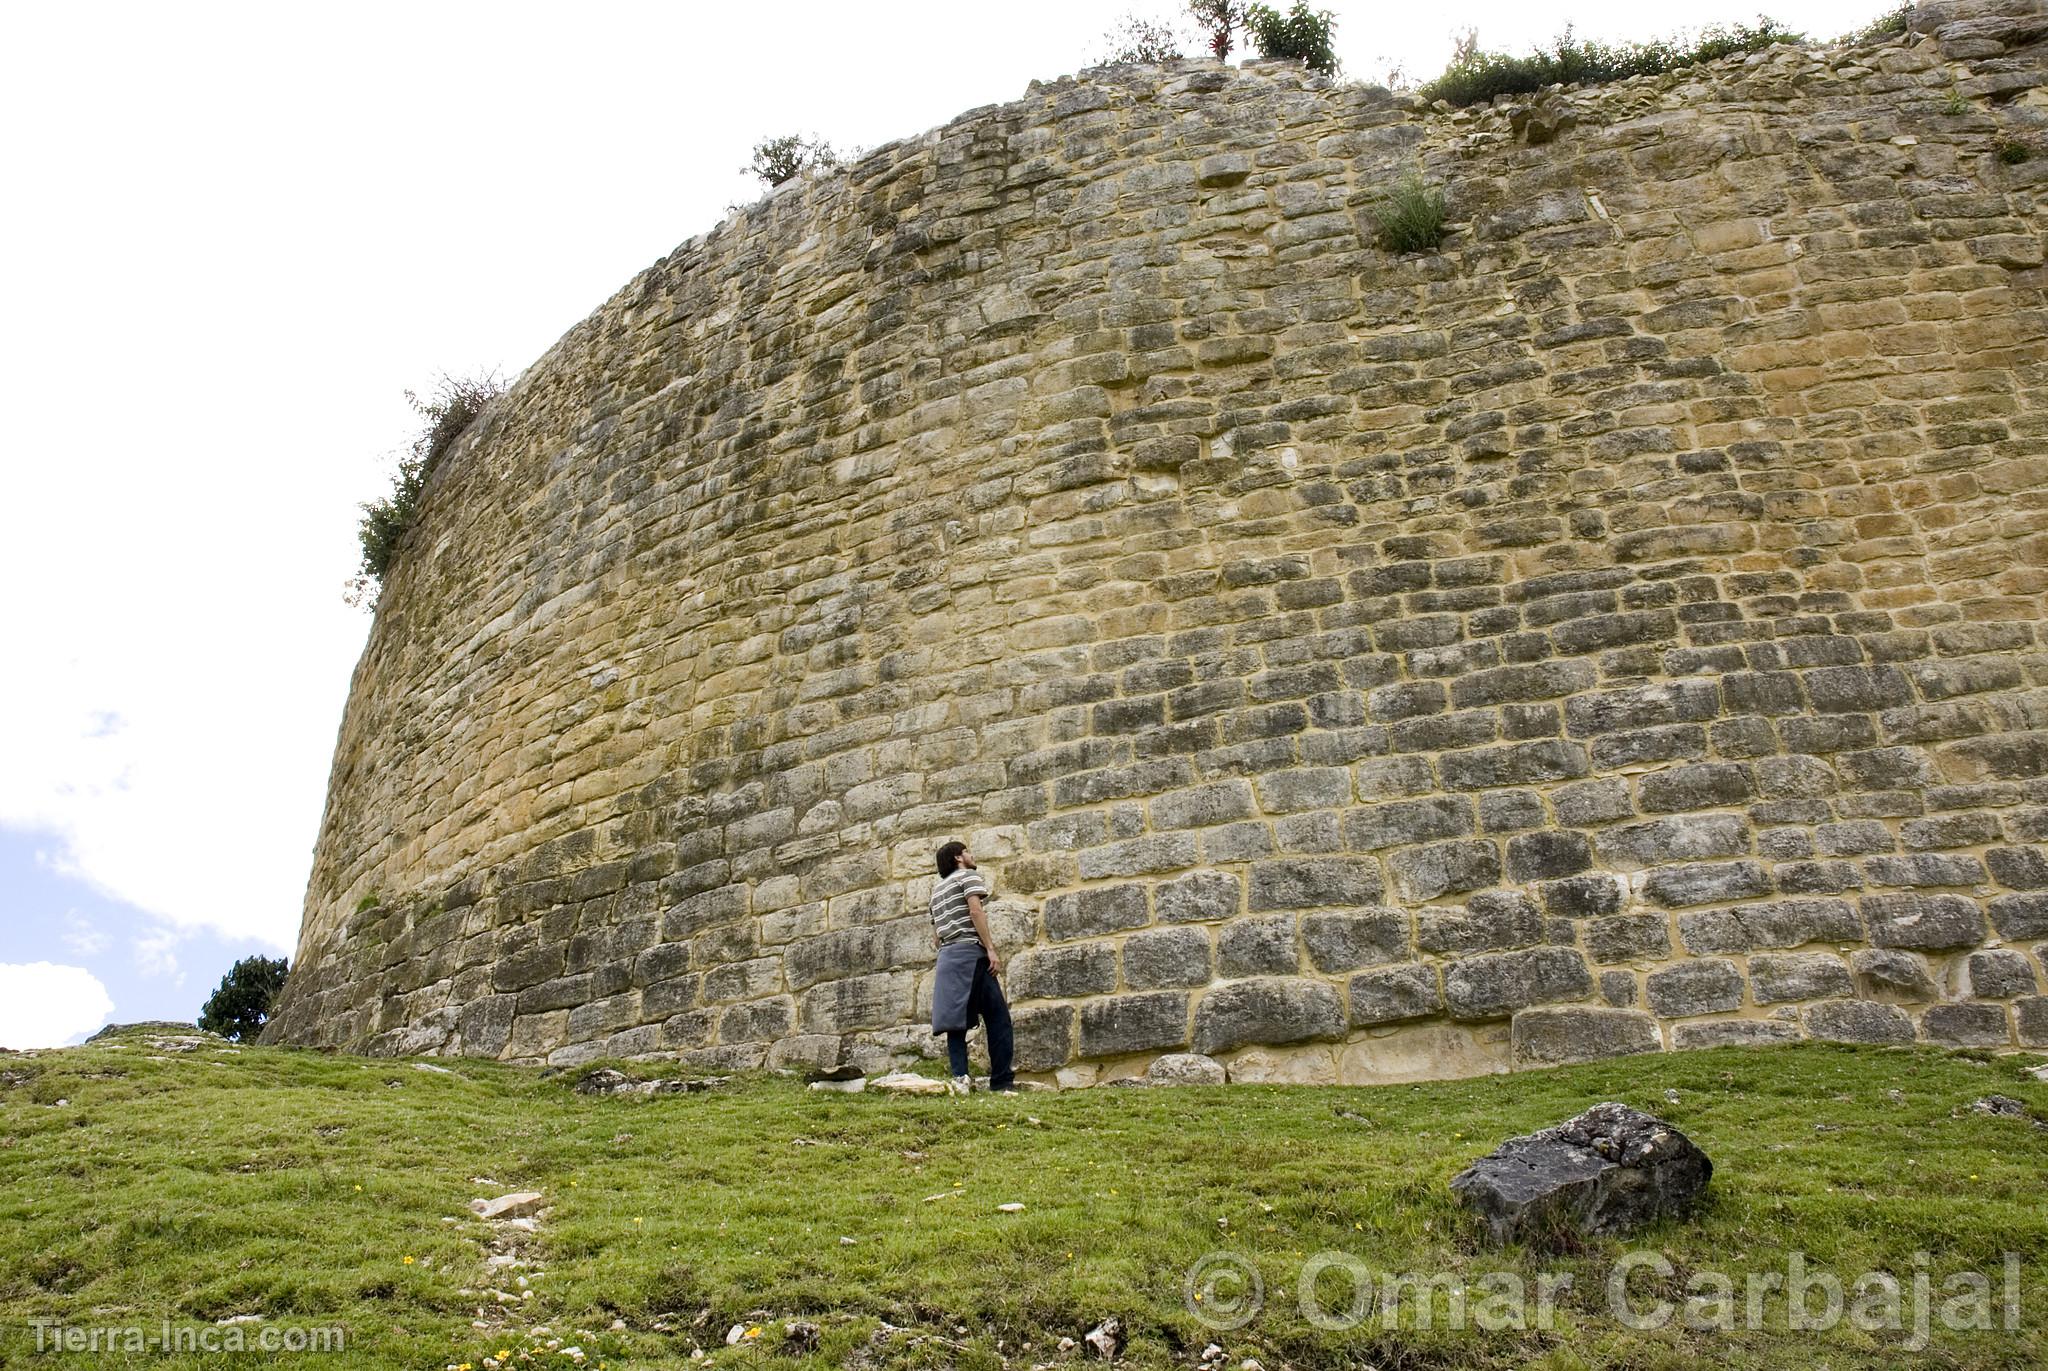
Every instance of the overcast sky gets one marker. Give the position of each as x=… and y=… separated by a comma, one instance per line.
x=234, y=237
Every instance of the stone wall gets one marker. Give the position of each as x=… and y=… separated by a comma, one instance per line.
x=1618, y=631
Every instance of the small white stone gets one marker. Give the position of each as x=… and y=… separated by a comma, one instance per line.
x=518, y=1204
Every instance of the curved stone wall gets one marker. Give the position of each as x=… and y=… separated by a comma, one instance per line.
x=1618, y=631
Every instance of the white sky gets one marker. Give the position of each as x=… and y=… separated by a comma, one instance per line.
x=234, y=235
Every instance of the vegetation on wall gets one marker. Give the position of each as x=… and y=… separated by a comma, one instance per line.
x=454, y=406
x=1887, y=25
x=1145, y=41
x=1300, y=35
x=1411, y=215
x=777, y=160
x=1477, y=76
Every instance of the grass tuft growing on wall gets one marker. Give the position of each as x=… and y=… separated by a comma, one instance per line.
x=1410, y=216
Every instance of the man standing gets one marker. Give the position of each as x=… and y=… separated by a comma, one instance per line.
x=966, y=987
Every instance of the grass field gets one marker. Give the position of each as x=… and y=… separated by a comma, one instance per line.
x=323, y=1192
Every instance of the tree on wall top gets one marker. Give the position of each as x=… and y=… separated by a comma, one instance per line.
x=1302, y=34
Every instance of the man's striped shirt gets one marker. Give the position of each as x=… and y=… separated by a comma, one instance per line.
x=949, y=905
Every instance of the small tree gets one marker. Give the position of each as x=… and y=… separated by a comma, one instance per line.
x=241, y=1006
x=1144, y=41
x=779, y=159
x=1219, y=21
x=1301, y=35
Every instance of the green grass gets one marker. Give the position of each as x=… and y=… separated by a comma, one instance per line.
x=1480, y=76
x=1410, y=215
x=294, y=1186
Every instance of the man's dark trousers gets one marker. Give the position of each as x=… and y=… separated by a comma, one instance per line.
x=985, y=1001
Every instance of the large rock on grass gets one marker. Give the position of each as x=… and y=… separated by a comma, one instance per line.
x=1609, y=1171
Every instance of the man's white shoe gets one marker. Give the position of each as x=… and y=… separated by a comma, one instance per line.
x=961, y=1085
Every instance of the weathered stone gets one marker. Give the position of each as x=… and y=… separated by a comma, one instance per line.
x=1200, y=896
x=1607, y=1172
x=1163, y=957
x=1063, y=973
x=520, y=1204
x=1092, y=913
x=1259, y=946
x=1857, y=1021
x=1344, y=941
x=1423, y=873
x=1966, y=1025
x=2020, y=916
x=1185, y=1068
x=1315, y=883
x=1710, y=986
x=1402, y=823
x=1627, y=937
x=1044, y=1036
x=2030, y=1018
x=1392, y=993
x=1119, y=1024
x=1883, y=973
x=1999, y=974
x=1923, y=921
x=1732, y=1033
x=1548, y=855
x=1493, y=920
x=1267, y=1010
x=1557, y=1034
x=1778, y=923
x=1499, y=983
x=1777, y=977
x=1580, y=897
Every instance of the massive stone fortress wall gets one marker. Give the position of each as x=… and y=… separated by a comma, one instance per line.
x=1620, y=630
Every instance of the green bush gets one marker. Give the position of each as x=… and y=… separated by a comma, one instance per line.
x=454, y=407
x=241, y=1005
x=1300, y=35
x=1144, y=41
x=1411, y=215
x=1886, y=25
x=1480, y=76
x=779, y=159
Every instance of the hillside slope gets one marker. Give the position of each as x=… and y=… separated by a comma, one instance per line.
x=140, y=1184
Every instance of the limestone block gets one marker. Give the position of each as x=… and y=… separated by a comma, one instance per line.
x=1390, y=994
x=1266, y=1010
x=1777, y=977
x=1857, y=1021
x=1262, y=945
x=1552, y=1034
x=1119, y=1024
x=1496, y=984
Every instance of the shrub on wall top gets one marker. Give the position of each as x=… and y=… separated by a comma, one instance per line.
x=1301, y=35
x=455, y=405
x=1480, y=76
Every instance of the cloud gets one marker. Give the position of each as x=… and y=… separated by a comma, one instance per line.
x=43, y=1004
x=155, y=954
x=81, y=937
